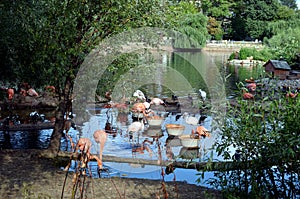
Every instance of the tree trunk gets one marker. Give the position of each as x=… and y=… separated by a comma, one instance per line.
x=54, y=146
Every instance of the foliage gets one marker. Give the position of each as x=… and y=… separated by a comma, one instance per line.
x=285, y=13
x=251, y=17
x=214, y=28
x=250, y=20
x=14, y=40
x=221, y=11
x=177, y=11
x=190, y=24
x=262, y=55
x=289, y=3
x=283, y=23
x=54, y=36
x=218, y=9
x=262, y=140
x=115, y=72
x=192, y=31
x=285, y=44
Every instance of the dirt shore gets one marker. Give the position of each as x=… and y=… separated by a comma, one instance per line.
x=23, y=174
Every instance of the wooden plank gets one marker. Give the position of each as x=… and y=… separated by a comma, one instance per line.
x=208, y=166
x=27, y=127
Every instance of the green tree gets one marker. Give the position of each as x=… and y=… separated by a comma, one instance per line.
x=284, y=21
x=50, y=39
x=222, y=12
x=251, y=18
x=190, y=24
x=214, y=28
x=219, y=9
x=14, y=42
x=285, y=44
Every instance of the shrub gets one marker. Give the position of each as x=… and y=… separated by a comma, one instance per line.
x=262, y=55
x=261, y=138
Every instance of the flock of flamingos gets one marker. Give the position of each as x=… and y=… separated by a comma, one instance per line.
x=142, y=108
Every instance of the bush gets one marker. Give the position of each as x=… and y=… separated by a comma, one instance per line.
x=262, y=55
x=263, y=134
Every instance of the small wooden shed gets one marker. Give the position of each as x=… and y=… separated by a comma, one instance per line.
x=278, y=68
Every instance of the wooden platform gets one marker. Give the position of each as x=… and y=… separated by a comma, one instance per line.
x=27, y=127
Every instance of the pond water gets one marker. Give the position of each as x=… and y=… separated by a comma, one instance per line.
x=182, y=74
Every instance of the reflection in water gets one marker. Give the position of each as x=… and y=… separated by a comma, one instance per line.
x=25, y=139
x=5, y=140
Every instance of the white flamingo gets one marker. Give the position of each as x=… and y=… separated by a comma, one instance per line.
x=139, y=94
x=135, y=127
x=156, y=101
x=190, y=119
x=203, y=94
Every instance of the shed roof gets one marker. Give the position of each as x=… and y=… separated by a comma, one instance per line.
x=279, y=64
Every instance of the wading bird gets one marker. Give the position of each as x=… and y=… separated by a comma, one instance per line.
x=156, y=101
x=247, y=95
x=84, y=145
x=67, y=126
x=135, y=127
x=31, y=92
x=139, y=108
x=291, y=95
x=10, y=93
x=202, y=131
x=202, y=94
x=140, y=148
x=251, y=87
x=50, y=89
x=190, y=119
x=100, y=136
x=139, y=95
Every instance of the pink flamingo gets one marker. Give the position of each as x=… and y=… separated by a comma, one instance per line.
x=202, y=131
x=23, y=92
x=50, y=89
x=31, y=92
x=291, y=95
x=67, y=126
x=100, y=136
x=10, y=93
x=251, y=87
x=141, y=148
x=247, y=95
x=84, y=145
x=138, y=108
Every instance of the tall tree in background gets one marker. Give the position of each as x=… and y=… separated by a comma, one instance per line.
x=251, y=17
x=185, y=18
x=220, y=14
